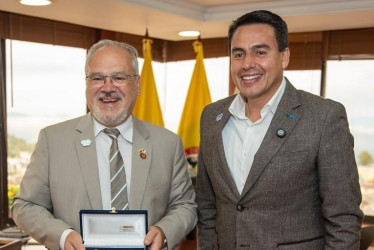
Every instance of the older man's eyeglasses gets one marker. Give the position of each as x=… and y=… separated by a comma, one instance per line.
x=119, y=79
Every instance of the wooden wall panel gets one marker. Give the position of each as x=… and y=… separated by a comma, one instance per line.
x=33, y=29
x=306, y=55
x=351, y=44
x=308, y=49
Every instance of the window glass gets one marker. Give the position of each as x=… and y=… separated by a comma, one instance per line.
x=173, y=80
x=308, y=80
x=351, y=83
x=45, y=85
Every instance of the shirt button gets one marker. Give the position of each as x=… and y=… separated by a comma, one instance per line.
x=240, y=208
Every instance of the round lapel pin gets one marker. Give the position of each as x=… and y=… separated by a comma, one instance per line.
x=142, y=153
x=281, y=133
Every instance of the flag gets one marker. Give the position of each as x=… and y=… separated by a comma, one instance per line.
x=198, y=97
x=147, y=106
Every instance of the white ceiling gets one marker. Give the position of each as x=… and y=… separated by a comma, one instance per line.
x=165, y=18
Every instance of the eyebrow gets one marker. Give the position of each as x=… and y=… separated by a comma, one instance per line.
x=235, y=49
x=111, y=73
x=260, y=46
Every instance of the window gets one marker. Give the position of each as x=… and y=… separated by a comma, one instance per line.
x=173, y=80
x=351, y=83
x=45, y=85
x=308, y=80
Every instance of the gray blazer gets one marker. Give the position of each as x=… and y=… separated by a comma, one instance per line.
x=62, y=178
x=302, y=191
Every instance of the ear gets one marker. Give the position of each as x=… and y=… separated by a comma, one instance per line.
x=285, y=57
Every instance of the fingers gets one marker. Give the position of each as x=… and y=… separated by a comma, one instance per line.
x=74, y=242
x=154, y=238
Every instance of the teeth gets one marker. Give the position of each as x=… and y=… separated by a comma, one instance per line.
x=250, y=77
x=109, y=100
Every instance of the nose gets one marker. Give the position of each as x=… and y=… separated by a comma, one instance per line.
x=108, y=83
x=108, y=78
x=248, y=61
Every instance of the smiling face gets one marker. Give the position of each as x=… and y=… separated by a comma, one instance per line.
x=256, y=63
x=111, y=105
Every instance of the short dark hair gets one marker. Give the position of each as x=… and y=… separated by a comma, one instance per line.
x=262, y=17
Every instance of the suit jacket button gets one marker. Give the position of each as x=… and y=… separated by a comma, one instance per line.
x=240, y=208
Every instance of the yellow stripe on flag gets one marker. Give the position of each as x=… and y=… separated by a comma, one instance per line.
x=198, y=97
x=147, y=106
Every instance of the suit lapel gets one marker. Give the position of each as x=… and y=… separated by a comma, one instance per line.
x=285, y=118
x=223, y=166
x=140, y=166
x=86, y=152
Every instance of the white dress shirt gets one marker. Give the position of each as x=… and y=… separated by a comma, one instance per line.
x=242, y=137
x=103, y=143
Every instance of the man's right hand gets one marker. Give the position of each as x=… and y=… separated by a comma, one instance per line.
x=74, y=242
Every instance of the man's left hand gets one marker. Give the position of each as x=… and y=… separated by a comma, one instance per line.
x=155, y=238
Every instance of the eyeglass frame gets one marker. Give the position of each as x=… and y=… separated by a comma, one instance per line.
x=119, y=83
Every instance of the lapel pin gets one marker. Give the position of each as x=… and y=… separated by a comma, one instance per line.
x=219, y=117
x=86, y=143
x=281, y=133
x=142, y=153
x=291, y=116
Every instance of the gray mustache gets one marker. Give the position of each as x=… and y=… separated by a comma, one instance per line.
x=109, y=95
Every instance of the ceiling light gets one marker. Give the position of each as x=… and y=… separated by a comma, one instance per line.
x=36, y=2
x=189, y=33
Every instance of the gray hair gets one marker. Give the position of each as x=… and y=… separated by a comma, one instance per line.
x=111, y=43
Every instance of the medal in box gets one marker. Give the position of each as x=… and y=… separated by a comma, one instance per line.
x=114, y=229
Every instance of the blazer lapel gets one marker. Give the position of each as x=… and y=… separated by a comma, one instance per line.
x=221, y=120
x=140, y=166
x=86, y=152
x=285, y=118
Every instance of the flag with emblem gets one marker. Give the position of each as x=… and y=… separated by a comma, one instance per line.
x=147, y=106
x=198, y=97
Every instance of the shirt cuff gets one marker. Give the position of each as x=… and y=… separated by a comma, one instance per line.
x=63, y=238
x=165, y=245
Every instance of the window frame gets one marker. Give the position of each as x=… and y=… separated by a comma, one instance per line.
x=4, y=217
